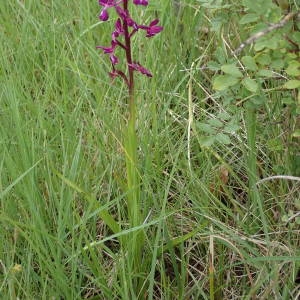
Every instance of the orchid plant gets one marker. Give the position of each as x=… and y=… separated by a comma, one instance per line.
x=124, y=29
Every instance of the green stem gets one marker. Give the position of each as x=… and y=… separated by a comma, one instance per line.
x=133, y=193
x=136, y=240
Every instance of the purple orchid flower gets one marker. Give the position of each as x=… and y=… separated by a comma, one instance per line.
x=106, y=4
x=104, y=14
x=125, y=28
x=110, y=50
x=152, y=30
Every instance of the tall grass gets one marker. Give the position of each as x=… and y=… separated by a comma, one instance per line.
x=62, y=166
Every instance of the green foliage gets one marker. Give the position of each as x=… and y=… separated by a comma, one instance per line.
x=211, y=124
x=222, y=82
x=273, y=54
x=218, y=130
x=249, y=63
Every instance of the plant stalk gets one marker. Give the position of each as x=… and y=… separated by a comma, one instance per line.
x=135, y=240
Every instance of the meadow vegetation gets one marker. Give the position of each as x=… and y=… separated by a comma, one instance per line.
x=218, y=118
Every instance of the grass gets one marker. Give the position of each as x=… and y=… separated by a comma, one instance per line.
x=62, y=166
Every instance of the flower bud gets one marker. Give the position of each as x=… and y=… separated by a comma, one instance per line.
x=104, y=15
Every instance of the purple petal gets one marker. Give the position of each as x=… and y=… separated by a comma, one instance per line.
x=154, y=22
x=152, y=31
x=140, y=2
x=103, y=15
x=118, y=26
x=108, y=3
x=114, y=60
x=108, y=50
x=121, y=12
x=118, y=30
x=132, y=23
x=126, y=17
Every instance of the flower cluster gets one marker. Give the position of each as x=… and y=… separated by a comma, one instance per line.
x=125, y=28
